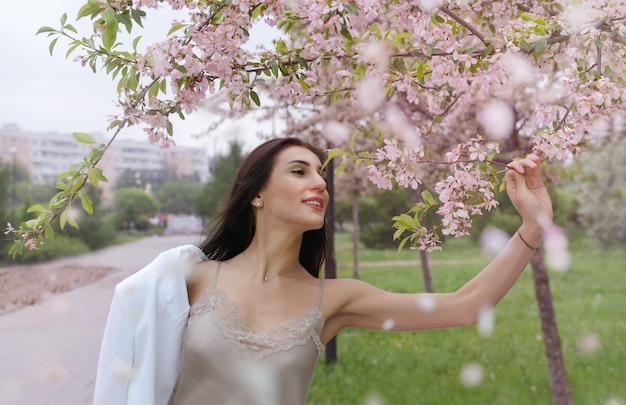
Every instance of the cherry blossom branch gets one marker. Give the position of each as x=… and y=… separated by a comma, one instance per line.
x=461, y=21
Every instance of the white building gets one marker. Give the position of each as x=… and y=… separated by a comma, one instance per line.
x=47, y=154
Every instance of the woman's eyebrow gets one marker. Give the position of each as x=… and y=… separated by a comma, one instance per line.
x=303, y=163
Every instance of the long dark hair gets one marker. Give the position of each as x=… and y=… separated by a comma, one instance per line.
x=231, y=232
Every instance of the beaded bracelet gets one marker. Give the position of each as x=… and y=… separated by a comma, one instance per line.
x=526, y=243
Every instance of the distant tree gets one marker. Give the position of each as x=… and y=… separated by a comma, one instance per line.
x=14, y=180
x=178, y=197
x=222, y=173
x=134, y=207
x=5, y=192
x=139, y=178
x=92, y=230
x=601, y=194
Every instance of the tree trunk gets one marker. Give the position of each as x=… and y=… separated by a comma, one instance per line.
x=556, y=366
x=428, y=281
x=330, y=266
x=355, y=235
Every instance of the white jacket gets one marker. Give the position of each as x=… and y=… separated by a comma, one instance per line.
x=141, y=347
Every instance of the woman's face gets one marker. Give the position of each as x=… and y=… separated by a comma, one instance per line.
x=295, y=194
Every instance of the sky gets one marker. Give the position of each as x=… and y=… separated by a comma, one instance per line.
x=44, y=93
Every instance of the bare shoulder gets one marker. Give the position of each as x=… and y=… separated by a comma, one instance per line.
x=339, y=292
x=200, y=278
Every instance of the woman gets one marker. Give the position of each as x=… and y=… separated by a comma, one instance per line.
x=257, y=315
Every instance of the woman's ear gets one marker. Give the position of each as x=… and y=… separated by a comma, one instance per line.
x=258, y=202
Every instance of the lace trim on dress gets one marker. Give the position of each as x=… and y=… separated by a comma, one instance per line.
x=223, y=311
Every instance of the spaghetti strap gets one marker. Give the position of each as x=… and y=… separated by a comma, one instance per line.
x=217, y=273
x=319, y=294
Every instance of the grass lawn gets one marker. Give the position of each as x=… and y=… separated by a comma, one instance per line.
x=423, y=368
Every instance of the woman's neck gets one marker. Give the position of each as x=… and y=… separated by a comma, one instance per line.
x=273, y=253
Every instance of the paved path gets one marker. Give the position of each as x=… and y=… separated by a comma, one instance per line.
x=49, y=351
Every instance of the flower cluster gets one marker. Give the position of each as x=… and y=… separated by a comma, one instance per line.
x=29, y=240
x=390, y=163
x=469, y=189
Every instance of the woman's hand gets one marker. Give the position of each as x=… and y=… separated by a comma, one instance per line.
x=527, y=191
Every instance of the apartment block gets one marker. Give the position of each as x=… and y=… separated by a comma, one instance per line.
x=46, y=154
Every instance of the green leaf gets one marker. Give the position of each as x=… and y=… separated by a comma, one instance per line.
x=45, y=29
x=137, y=14
x=340, y=168
x=52, y=44
x=63, y=218
x=175, y=28
x=257, y=10
x=15, y=249
x=48, y=232
x=72, y=222
x=100, y=175
x=86, y=203
x=109, y=35
x=541, y=46
x=281, y=46
x=402, y=243
x=524, y=45
x=437, y=19
x=84, y=138
x=36, y=208
x=427, y=197
x=93, y=178
x=135, y=42
x=255, y=97
x=125, y=20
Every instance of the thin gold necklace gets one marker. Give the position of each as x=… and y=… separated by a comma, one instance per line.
x=265, y=278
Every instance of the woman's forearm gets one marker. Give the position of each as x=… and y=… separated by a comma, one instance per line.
x=496, y=279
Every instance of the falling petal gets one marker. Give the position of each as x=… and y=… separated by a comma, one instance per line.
x=493, y=240
x=497, y=119
x=589, y=344
x=336, y=133
x=54, y=374
x=370, y=94
x=399, y=125
x=388, y=324
x=472, y=374
x=555, y=244
x=429, y=5
x=125, y=371
x=61, y=304
x=377, y=53
x=10, y=390
x=519, y=69
x=373, y=400
x=426, y=303
x=614, y=401
x=486, y=321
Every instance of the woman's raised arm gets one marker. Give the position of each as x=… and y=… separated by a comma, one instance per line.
x=353, y=303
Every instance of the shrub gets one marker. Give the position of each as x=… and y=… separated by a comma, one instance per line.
x=60, y=246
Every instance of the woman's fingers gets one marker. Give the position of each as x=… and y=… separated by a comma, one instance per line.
x=530, y=162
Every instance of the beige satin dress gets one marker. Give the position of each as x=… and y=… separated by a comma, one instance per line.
x=225, y=362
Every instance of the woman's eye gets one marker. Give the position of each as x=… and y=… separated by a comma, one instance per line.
x=298, y=171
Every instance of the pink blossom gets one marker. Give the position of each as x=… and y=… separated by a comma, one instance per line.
x=31, y=244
